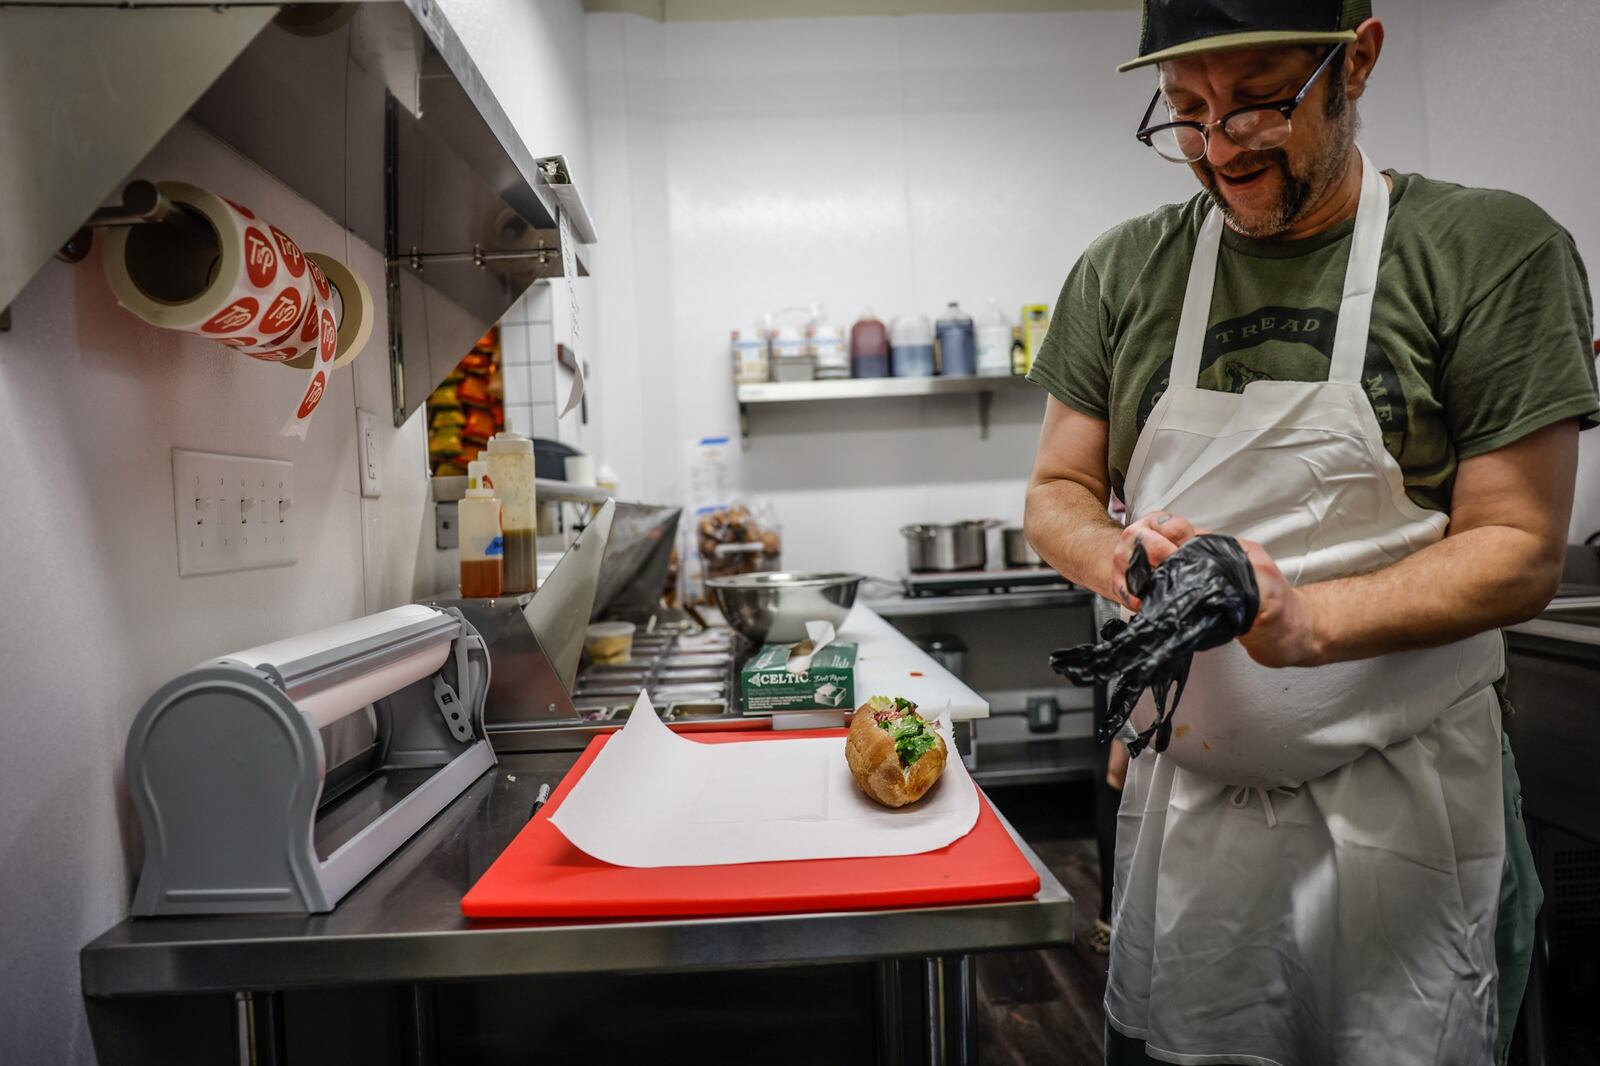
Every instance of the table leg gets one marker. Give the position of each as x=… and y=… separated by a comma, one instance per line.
x=420, y=1011
x=258, y=1028
x=889, y=1018
x=934, y=1024
x=949, y=1001
x=963, y=1036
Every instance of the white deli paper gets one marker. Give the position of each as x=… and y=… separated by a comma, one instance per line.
x=653, y=798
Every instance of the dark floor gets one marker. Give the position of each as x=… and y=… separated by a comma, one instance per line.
x=1045, y=1006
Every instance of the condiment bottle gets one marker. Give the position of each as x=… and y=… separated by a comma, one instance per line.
x=750, y=355
x=958, y=346
x=911, y=347
x=510, y=457
x=482, y=546
x=828, y=346
x=869, y=347
x=994, y=342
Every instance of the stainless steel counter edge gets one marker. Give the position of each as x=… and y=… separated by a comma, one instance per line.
x=684, y=946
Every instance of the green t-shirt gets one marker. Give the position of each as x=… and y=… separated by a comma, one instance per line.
x=1481, y=328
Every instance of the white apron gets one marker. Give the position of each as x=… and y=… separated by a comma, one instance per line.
x=1309, y=873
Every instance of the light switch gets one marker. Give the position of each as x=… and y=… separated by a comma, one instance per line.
x=371, y=475
x=234, y=512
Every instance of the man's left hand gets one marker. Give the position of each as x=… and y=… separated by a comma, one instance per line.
x=1285, y=632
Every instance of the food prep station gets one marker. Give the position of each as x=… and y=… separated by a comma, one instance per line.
x=395, y=945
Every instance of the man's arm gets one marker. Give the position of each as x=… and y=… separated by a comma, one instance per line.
x=1499, y=564
x=1066, y=519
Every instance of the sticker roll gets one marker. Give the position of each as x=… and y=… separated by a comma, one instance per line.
x=213, y=268
x=353, y=311
x=316, y=381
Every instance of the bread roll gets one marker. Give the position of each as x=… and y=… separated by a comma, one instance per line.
x=876, y=764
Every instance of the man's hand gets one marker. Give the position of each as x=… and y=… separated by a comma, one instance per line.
x=1161, y=533
x=1284, y=633
x=1285, y=630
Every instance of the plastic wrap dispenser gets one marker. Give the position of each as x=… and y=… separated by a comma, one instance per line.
x=276, y=778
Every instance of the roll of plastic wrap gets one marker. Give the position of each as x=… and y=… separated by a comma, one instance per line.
x=217, y=270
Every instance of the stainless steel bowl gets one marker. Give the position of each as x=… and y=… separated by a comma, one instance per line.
x=775, y=607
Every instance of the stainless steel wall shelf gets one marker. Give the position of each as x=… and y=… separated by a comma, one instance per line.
x=830, y=391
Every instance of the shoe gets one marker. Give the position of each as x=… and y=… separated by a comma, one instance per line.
x=1100, y=938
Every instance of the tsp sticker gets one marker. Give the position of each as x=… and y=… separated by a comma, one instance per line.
x=323, y=291
x=238, y=342
x=312, y=325
x=235, y=316
x=313, y=395
x=284, y=313
x=277, y=355
x=294, y=260
x=260, y=261
x=243, y=210
x=330, y=335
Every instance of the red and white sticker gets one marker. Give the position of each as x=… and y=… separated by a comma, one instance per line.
x=294, y=260
x=330, y=335
x=260, y=258
x=324, y=292
x=282, y=315
x=234, y=317
x=311, y=325
x=275, y=355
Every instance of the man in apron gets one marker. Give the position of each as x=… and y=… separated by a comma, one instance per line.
x=1376, y=382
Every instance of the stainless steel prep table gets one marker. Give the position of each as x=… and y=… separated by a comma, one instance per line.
x=403, y=927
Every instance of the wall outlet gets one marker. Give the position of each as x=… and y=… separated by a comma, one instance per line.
x=367, y=453
x=233, y=512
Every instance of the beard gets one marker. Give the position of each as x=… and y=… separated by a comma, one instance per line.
x=1299, y=190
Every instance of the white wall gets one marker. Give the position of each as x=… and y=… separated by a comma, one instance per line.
x=1512, y=103
x=95, y=616
x=891, y=162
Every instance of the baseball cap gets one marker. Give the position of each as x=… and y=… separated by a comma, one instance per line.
x=1174, y=28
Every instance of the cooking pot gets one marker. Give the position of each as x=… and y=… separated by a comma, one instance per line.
x=954, y=546
x=1018, y=551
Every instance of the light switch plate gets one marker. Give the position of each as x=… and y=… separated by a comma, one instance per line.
x=234, y=512
x=371, y=473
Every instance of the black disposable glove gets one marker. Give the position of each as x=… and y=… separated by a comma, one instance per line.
x=1203, y=596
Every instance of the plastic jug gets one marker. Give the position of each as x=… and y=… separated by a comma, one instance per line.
x=994, y=342
x=869, y=347
x=828, y=346
x=911, y=347
x=958, y=344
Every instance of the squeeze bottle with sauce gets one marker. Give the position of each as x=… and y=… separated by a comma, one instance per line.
x=482, y=549
x=510, y=458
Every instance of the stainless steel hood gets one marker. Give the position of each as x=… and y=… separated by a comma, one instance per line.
x=374, y=112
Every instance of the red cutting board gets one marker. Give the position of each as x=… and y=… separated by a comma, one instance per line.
x=541, y=875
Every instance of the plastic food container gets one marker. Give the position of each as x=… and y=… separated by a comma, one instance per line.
x=911, y=347
x=609, y=643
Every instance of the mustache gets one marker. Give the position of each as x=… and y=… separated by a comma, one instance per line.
x=1275, y=157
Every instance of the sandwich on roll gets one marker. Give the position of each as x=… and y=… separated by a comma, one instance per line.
x=895, y=755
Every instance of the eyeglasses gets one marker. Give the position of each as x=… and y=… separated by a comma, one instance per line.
x=1255, y=128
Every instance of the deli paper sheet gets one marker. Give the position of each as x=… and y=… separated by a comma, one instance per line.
x=654, y=798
